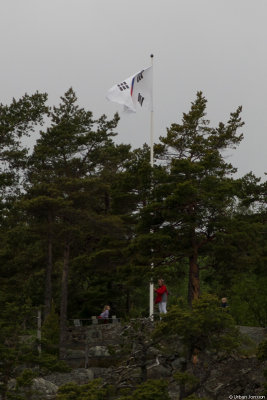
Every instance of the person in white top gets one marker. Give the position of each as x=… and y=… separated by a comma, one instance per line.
x=105, y=313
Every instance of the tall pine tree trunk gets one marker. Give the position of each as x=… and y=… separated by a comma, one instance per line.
x=64, y=301
x=193, y=282
x=49, y=267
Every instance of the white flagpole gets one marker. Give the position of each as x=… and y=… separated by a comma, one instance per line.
x=151, y=285
x=152, y=119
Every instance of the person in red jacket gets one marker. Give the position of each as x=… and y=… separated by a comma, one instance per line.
x=162, y=296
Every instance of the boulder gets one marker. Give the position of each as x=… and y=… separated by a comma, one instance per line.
x=98, y=351
x=44, y=388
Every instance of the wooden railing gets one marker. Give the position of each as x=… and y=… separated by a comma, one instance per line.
x=94, y=321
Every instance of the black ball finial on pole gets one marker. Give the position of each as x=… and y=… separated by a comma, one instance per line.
x=151, y=55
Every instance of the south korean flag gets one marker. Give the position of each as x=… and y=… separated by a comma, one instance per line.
x=135, y=92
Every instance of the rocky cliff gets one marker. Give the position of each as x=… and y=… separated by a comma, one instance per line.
x=97, y=352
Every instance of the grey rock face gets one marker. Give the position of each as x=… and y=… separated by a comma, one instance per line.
x=81, y=376
x=177, y=363
x=40, y=389
x=234, y=377
x=256, y=334
x=75, y=354
x=158, y=372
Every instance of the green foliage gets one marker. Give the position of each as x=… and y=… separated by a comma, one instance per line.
x=23, y=389
x=262, y=351
x=205, y=326
x=185, y=378
x=15, y=348
x=149, y=390
x=249, y=300
x=265, y=385
x=50, y=332
x=26, y=378
x=94, y=390
x=50, y=363
x=187, y=381
x=17, y=120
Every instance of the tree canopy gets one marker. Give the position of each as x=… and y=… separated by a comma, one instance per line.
x=83, y=218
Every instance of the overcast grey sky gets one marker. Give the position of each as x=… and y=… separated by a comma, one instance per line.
x=217, y=46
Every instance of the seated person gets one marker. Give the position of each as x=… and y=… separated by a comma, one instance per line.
x=105, y=314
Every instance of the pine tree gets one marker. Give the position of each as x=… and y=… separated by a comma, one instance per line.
x=17, y=120
x=67, y=187
x=197, y=194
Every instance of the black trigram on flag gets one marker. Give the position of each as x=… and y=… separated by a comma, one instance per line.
x=140, y=99
x=123, y=86
x=140, y=76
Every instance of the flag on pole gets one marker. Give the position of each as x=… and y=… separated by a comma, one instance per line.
x=135, y=92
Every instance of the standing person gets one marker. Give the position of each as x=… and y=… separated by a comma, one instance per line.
x=162, y=295
x=224, y=304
